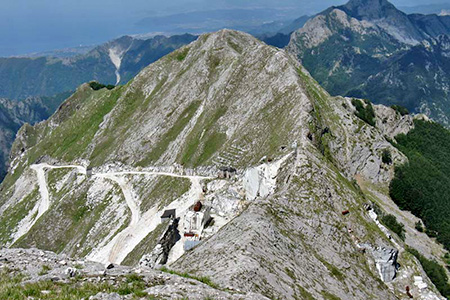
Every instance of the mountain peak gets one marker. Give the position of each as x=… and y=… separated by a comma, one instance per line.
x=370, y=9
x=225, y=34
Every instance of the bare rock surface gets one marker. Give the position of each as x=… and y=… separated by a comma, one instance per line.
x=30, y=262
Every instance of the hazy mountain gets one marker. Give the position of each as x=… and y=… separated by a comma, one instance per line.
x=253, y=20
x=279, y=34
x=295, y=211
x=436, y=8
x=368, y=48
x=112, y=63
x=61, y=53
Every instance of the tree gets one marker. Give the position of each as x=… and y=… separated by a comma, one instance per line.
x=419, y=226
x=386, y=157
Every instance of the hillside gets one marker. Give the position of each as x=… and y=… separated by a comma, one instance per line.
x=45, y=81
x=14, y=114
x=112, y=63
x=417, y=79
x=295, y=212
x=370, y=49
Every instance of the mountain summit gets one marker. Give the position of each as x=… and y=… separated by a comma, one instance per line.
x=370, y=49
x=370, y=9
x=385, y=15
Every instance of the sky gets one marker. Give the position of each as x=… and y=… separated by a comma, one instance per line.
x=28, y=26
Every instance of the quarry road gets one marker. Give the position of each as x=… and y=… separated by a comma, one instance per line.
x=44, y=203
x=124, y=243
x=117, y=249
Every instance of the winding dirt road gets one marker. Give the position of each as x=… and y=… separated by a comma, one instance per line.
x=117, y=249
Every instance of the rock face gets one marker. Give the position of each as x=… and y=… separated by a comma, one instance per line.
x=110, y=163
x=386, y=260
x=370, y=49
x=14, y=114
x=43, y=266
x=160, y=254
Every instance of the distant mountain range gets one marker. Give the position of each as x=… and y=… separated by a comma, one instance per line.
x=59, y=53
x=370, y=49
x=115, y=62
x=434, y=8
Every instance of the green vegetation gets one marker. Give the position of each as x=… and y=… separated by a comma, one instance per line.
x=422, y=185
x=390, y=221
x=12, y=287
x=364, y=111
x=386, y=157
x=14, y=214
x=329, y=296
x=78, y=220
x=44, y=270
x=181, y=55
x=162, y=191
x=419, y=226
x=98, y=86
x=304, y=293
x=171, y=134
x=331, y=268
x=290, y=273
x=145, y=246
x=400, y=109
x=434, y=271
x=204, y=279
x=73, y=136
x=204, y=140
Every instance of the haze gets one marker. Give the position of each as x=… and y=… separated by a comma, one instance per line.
x=28, y=26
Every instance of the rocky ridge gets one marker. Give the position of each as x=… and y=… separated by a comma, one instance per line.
x=371, y=50
x=38, y=267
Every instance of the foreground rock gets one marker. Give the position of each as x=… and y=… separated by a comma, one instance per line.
x=44, y=266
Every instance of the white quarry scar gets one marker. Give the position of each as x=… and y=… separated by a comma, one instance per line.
x=116, y=59
x=44, y=203
x=140, y=226
x=119, y=247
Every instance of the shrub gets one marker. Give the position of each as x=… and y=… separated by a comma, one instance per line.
x=447, y=258
x=400, y=109
x=419, y=226
x=431, y=233
x=391, y=222
x=364, y=111
x=386, y=157
x=98, y=86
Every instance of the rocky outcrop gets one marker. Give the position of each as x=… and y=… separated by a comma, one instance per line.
x=386, y=260
x=159, y=256
x=37, y=266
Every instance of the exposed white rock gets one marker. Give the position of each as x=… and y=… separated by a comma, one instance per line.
x=116, y=56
